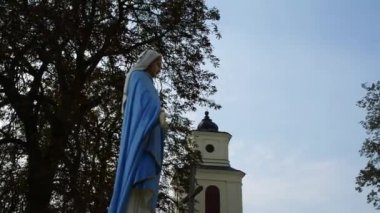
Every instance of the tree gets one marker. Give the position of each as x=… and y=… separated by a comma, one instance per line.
x=370, y=175
x=62, y=69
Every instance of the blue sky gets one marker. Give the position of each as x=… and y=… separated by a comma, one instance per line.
x=290, y=76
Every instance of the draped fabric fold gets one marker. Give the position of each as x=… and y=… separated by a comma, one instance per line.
x=141, y=145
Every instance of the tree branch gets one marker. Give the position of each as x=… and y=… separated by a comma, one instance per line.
x=15, y=141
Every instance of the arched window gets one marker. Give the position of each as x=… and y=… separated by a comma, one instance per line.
x=212, y=200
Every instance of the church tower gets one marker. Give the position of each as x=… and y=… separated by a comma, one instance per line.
x=222, y=184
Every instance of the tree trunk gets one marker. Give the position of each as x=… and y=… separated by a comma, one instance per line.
x=42, y=166
x=40, y=180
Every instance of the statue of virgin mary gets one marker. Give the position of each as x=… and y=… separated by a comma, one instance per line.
x=141, y=145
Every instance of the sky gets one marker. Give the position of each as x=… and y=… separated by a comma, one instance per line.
x=290, y=76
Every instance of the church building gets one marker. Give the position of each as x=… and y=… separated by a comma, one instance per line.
x=222, y=184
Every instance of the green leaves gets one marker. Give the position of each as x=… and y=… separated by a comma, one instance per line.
x=369, y=177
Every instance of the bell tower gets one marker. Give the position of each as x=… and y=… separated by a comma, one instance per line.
x=222, y=184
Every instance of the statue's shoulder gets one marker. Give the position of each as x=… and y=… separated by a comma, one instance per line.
x=141, y=78
x=140, y=74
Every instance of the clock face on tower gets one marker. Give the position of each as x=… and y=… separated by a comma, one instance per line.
x=210, y=148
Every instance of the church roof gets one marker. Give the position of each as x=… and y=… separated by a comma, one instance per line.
x=207, y=125
x=225, y=168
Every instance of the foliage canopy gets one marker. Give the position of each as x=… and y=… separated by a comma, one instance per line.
x=62, y=69
x=370, y=175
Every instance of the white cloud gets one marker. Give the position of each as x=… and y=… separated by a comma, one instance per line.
x=276, y=181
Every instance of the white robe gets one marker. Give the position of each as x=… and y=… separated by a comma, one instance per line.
x=139, y=201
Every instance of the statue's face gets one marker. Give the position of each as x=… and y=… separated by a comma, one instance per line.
x=155, y=67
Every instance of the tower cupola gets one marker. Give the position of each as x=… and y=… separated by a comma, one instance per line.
x=207, y=125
